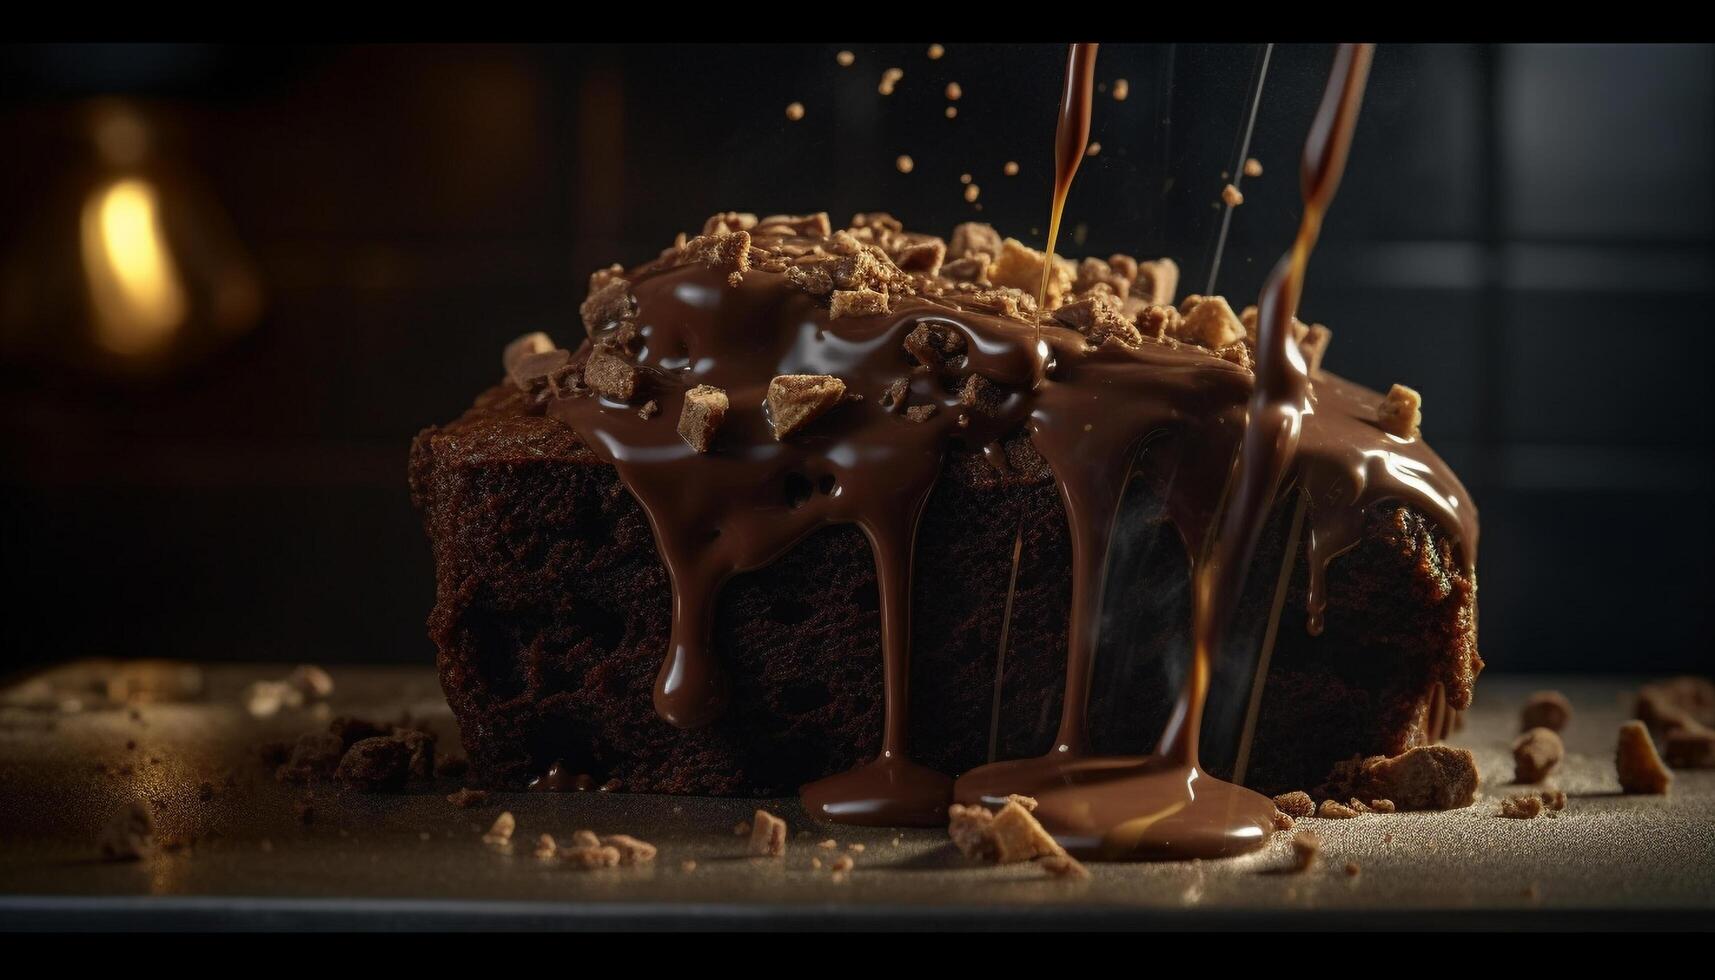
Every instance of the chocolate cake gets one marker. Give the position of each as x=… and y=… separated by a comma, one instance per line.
x=773, y=411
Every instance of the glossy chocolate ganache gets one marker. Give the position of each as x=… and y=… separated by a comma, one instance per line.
x=772, y=376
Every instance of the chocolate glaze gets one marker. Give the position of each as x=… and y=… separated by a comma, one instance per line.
x=1088, y=410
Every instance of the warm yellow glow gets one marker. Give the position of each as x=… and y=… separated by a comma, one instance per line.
x=134, y=285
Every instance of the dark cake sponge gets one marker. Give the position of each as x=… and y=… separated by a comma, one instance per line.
x=552, y=615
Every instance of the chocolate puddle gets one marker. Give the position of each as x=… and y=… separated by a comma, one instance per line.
x=1088, y=410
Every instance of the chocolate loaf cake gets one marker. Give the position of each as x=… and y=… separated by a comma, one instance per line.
x=773, y=411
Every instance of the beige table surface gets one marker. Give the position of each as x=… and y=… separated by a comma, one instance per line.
x=415, y=861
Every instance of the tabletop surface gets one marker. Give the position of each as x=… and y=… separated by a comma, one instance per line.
x=69, y=762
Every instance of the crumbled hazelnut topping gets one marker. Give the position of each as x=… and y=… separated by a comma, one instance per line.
x=796, y=400
x=1281, y=821
x=1335, y=810
x=795, y=111
x=921, y=413
x=1640, y=768
x=501, y=831
x=856, y=302
x=1352, y=869
x=1535, y=754
x=590, y=858
x=842, y=864
x=546, y=848
x=1232, y=196
x=935, y=345
x=1306, y=849
x=973, y=238
x=1018, y=836
x=1400, y=413
x=1156, y=282
x=969, y=827
x=935, y=52
x=701, y=416
x=1382, y=806
x=725, y=223
x=767, y=835
x=530, y=343
x=1253, y=168
x=904, y=163
x=631, y=850
x=1545, y=709
x=1122, y=88
x=1296, y=803
x=729, y=253
x=889, y=79
x=1529, y=806
x=1209, y=322
x=845, y=58
x=606, y=305
x=1429, y=777
x=828, y=844
x=954, y=92
x=1020, y=267
x=611, y=376
x=687, y=866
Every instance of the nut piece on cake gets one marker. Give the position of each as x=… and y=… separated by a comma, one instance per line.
x=1401, y=412
x=796, y=400
x=701, y=417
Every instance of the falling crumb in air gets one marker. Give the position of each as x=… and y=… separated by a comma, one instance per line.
x=936, y=51
x=795, y=111
x=889, y=79
x=904, y=163
x=964, y=178
x=1093, y=149
x=1122, y=88
x=972, y=191
x=1011, y=168
x=845, y=58
x=1253, y=167
x=952, y=112
x=954, y=92
x=1231, y=195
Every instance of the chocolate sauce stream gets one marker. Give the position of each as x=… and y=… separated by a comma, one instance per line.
x=1071, y=139
x=1165, y=806
x=1278, y=404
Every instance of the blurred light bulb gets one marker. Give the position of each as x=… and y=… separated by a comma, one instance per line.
x=134, y=286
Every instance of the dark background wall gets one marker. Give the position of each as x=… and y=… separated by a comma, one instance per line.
x=1525, y=235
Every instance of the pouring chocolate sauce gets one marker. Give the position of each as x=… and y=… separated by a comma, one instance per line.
x=1088, y=409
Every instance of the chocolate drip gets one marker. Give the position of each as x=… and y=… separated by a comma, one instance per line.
x=1088, y=410
x=1165, y=805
